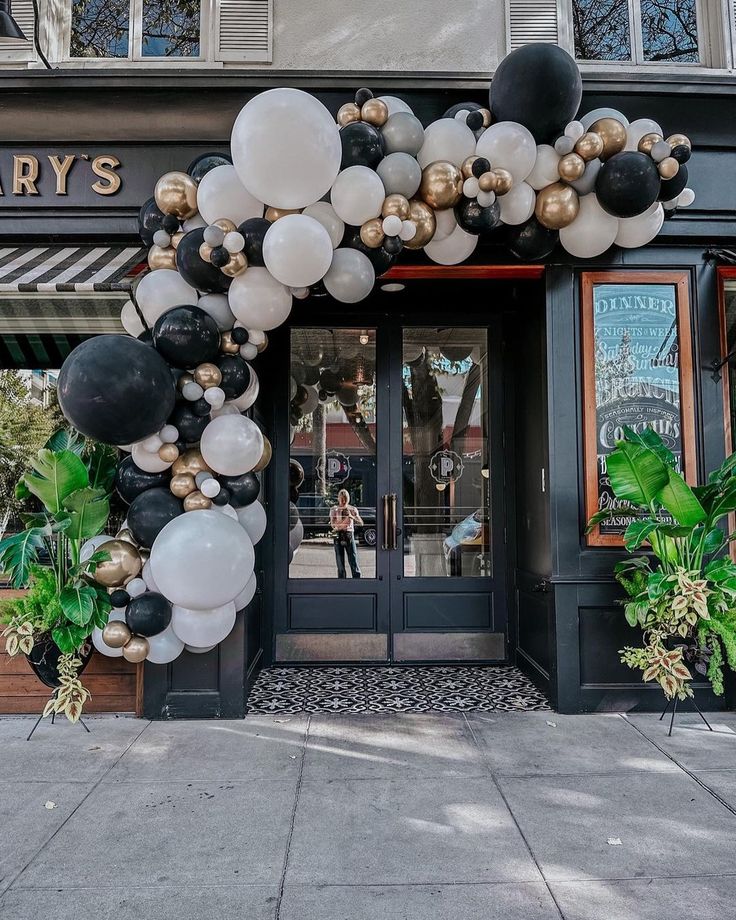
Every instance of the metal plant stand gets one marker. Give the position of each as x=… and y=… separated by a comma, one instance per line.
x=53, y=719
x=673, y=703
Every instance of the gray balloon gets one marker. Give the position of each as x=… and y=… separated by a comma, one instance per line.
x=586, y=183
x=564, y=145
x=403, y=133
x=400, y=174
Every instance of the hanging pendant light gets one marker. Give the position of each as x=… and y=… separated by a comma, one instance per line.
x=9, y=28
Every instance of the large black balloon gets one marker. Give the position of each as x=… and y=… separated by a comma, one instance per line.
x=671, y=188
x=150, y=219
x=115, y=389
x=243, y=489
x=627, y=184
x=235, y=375
x=150, y=512
x=186, y=336
x=203, y=276
x=362, y=145
x=539, y=86
x=189, y=425
x=380, y=259
x=254, y=230
x=474, y=219
x=531, y=241
x=148, y=614
x=202, y=164
x=131, y=480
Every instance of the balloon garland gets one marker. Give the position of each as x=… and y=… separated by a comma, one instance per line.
x=306, y=205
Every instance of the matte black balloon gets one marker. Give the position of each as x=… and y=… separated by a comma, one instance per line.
x=120, y=598
x=311, y=374
x=539, y=86
x=681, y=153
x=189, y=425
x=627, y=184
x=150, y=512
x=148, y=614
x=531, y=241
x=456, y=353
x=202, y=164
x=244, y=490
x=115, y=389
x=363, y=95
x=186, y=336
x=474, y=121
x=239, y=335
x=467, y=106
x=393, y=245
x=380, y=259
x=235, y=375
x=474, y=219
x=480, y=165
x=200, y=406
x=150, y=219
x=170, y=224
x=219, y=257
x=671, y=188
x=329, y=381
x=222, y=498
x=362, y=145
x=296, y=473
x=202, y=275
x=131, y=480
x=254, y=231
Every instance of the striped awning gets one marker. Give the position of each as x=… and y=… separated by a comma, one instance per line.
x=70, y=269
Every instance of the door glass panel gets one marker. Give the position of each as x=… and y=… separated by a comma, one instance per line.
x=446, y=530
x=333, y=450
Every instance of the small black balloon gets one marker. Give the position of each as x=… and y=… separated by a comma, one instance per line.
x=681, y=153
x=203, y=276
x=131, y=480
x=205, y=162
x=201, y=406
x=459, y=107
x=362, y=145
x=150, y=512
x=219, y=257
x=531, y=241
x=235, y=375
x=380, y=258
x=243, y=490
x=293, y=494
x=296, y=473
x=363, y=95
x=148, y=614
x=393, y=245
x=186, y=336
x=473, y=218
x=254, y=231
x=239, y=335
x=627, y=184
x=170, y=224
x=119, y=598
x=222, y=497
x=329, y=381
x=671, y=188
x=480, y=166
x=311, y=374
x=150, y=220
x=189, y=425
x=474, y=120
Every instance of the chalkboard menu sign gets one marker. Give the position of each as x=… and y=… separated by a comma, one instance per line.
x=638, y=372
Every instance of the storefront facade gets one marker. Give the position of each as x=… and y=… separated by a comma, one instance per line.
x=522, y=351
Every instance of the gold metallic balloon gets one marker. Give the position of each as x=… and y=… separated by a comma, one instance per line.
x=182, y=484
x=442, y=185
x=395, y=204
x=265, y=456
x=422, y=216
x=488, y=182
x=124, y=563
x=236, y=266
x=116, y=634
x=208, y=375
x=274, y=214
x=571, y=167
x=348, y=113
x=176, y=193
x=613, y=134
x=264, y=344
x=191, y=461
x=557, y=206
x=195, y=501
x=227, y=226
x=168, y=452
x=136, y=649
x=184, y=378
x=227, y=346
x=486, y=113
x=177, y=238
x=648, y=141
x=668, y=167
x=467, y=168
x=371, y=233
x=589, y=146
x=205, y=251
x=375, y=112
x=504, y=180
x=161, y=258
x=678, y=140
x=127, y=535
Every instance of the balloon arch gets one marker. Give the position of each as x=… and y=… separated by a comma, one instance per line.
x=309, y=204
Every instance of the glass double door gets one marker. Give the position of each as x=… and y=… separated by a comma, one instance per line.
x=395, y=495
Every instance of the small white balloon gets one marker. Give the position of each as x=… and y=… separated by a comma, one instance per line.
x=486, y=199
x=169, y=434
x=161, y=238
x=256, y=336
x=462, y=114
x=686, y=198
x=164, y=647
x=634, y=232
x=357, y=195
x=637, y=129
x=297, y=250
x=446, y=223
x=564, y=145
x=192, y=391
x=351, y=276
x=517, y=205
x=408, y=230
x=194, y=223
x=447, y=139
x=201, y=477
x=219, y=309
x=248, y=351
x=148, y=461
x=575, y=130
x=234, y=241
x=130, y=319
x=323, y=212
x=136, y=586
x=392, y=225
x=210, y=488
x=231, y=445
x=215, y=396
x=546, y=168
x=253, y=520
x=257, y=299
x=471, y=187
x=161, y=290
x=214, y=236
x=508, y=145
x=452, y=249
x=221, y=194
x=660, y=151
x=203, y=627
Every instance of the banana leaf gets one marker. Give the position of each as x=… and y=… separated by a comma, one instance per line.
x=636, y=473
x=55, y=476
x=65, y=439
x=650, y=439
x=679, y=499
x=19, y=552
x=88, y=511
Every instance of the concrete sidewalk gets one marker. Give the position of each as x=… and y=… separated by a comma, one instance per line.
x=511, y=816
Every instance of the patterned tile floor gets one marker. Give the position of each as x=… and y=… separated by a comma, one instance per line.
x=393, y=689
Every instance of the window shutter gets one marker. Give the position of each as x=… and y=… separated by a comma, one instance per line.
x=244, y=30
x=12, y=48
x=530, y=21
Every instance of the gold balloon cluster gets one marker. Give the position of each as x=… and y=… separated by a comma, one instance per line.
x=365, y=108
x=667, y=154
x=237, y=262
x=118, y=635
x=176, y=196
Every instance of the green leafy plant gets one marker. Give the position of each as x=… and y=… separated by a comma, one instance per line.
x=683, y=596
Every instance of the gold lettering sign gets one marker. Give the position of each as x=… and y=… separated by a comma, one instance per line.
x=25, y=174
x=61, y=168
x=104, y=167
x=31, y=175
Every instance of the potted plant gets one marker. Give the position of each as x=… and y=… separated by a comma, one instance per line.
x=683, y=594
x=52, y=622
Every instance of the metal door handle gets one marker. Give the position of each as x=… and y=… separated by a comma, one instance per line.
x=394, y=528
x=386, y=522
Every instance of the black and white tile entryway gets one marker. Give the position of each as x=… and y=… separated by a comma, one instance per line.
x=392, y=689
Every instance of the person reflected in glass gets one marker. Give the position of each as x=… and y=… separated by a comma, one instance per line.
x=343, y=518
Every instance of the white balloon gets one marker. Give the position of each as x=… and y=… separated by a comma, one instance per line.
x=400, y=174
x=148, y=461
x=102, y=647
x=147, y=576
x=604, y=112
x=164, y=647
x=686, y=198
x=296, y=535
x=215, y=396
x=297, y=250
x=312, y=400
x=394, y=104
x=202, y=559
x=210, y=488
x=357, y=195
x=169, y=434
x=253, y=520
x=226, y=509
x=249, y=350
x=130, y=319
x=203, y=628
x=637, y=129
x=351, y=276
x=136, y=586
x=517, y=205
x=510, y=146
x=247, y=594
x=92, y=545
x=446, y=223
x=453, y=249
x=219, y=309
x=546, y=168
x=640, y=230
x=575, y=130
x=195, y=650
x=247, y=399
x=231, y=445
x=221, y=194
x=256, y=335
x=592, y=231
x=258, y=299
x=194, y=223
x=161, y=290
x=286, y=148
x=446, y=139
x=325, y=214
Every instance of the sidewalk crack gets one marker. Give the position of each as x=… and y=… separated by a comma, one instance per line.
x=297, y=793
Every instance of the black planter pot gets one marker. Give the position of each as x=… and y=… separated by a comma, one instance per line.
x=44, y=659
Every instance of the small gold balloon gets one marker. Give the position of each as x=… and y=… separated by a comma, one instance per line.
x=208, y=375
x=182, y=484
x=116, y=634
x=589, y=146
x=571, y=167
x=191, y=461
x=648, y=141
x=504, y=180
x=227, y=226
x=467, y=168
x=679, y=140
x=136, y=649
x=442, y=185
x=161, y=258
x=348, y=113
x=265, y=456
x=168, y=452
x=126, y=534
x=613, y=134
x=184, y=378
x=557, y=206
x=227, y=346
x=264, y=344
x=396, y=204
x=205, y=251
x=487, y=182
x=124, y=563
x=177, y=238
x=195, y=501
x=486, y=113
x=236, y=266
x=273, y=214
x=668, y=168
x=375, y=112
x=422, y=216
x=176, y=193
x=371, y=233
